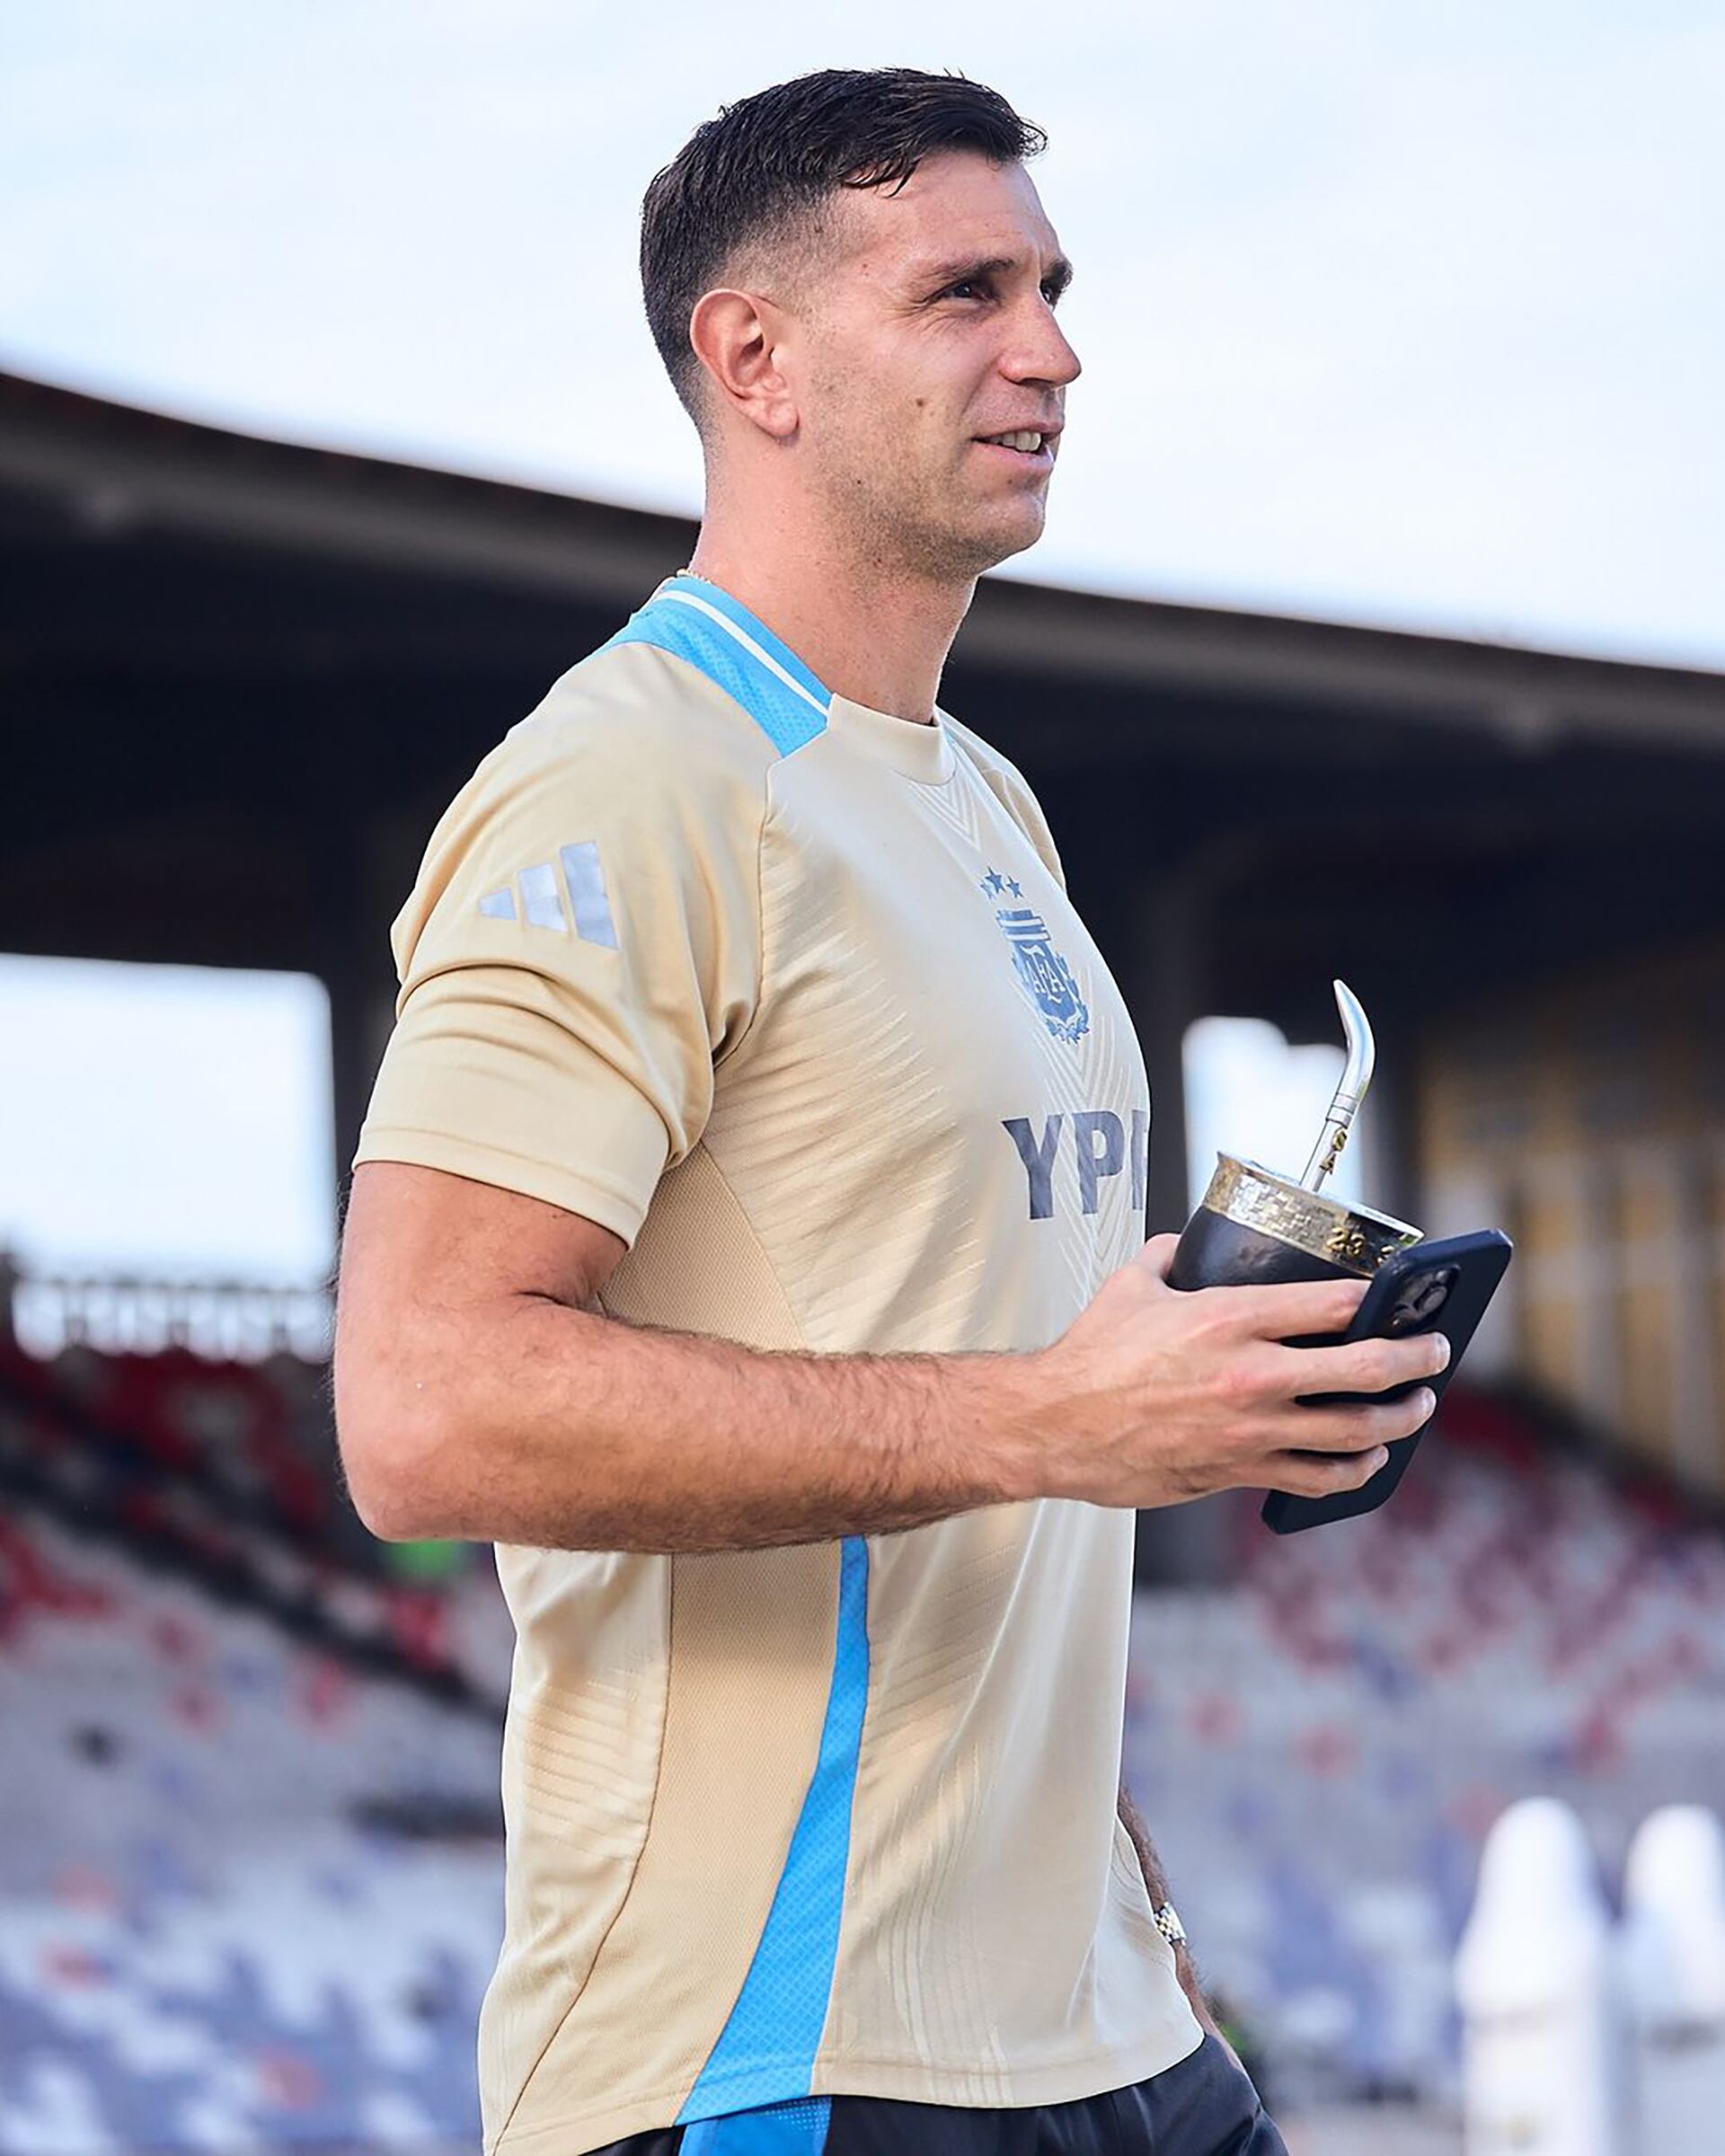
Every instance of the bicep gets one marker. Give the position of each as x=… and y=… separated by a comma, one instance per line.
x=422, y=1233
x=431, y=1260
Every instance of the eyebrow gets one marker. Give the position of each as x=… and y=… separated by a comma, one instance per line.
x=936, y=278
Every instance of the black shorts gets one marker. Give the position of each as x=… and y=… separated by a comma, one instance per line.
x=1203, y=2106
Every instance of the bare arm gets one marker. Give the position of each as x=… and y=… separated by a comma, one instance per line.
x=1156, y=1882
x=479, y=1395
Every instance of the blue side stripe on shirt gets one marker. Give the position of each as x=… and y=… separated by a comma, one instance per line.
x=767, y=2052
x=798, y=2129
x=791, y=712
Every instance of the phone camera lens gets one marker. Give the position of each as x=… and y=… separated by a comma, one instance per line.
x=1421, y=1298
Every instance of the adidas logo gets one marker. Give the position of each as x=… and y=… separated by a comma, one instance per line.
x=543, y=892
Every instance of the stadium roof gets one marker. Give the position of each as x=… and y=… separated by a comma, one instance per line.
x=243, y=677
x=90, y=473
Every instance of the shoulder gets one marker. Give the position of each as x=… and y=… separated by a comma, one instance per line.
x=644, y=716
x=629, y=738
x=632, y=760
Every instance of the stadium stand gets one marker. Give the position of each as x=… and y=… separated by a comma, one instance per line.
x=249, y=1896
x=226, y=1473
x=250, y=1884
x=250, y=1875
x=242, y=1900
x=1322, y=1748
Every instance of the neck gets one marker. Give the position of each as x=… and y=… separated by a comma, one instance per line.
x=874, y=636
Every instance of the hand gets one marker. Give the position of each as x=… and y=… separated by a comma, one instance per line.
x=1152, y=1396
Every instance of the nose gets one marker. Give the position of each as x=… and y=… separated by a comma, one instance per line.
x=1042, y=351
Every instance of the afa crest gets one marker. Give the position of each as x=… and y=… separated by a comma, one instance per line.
x=1043, y=974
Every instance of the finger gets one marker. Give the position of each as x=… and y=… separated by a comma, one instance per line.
x=1363, y=1366
x=1157, y=1255
x=1303, y=1478
x=1285, y=1308
x=1350, y=1429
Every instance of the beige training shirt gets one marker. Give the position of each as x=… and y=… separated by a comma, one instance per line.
x=788, y=993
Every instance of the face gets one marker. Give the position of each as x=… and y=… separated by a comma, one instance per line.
x=929, y=328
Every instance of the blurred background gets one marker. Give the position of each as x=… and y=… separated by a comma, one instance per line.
x=1376, y=632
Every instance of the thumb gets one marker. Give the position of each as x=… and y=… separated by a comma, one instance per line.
x=1157, y=1256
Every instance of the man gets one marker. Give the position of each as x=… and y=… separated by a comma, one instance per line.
x=748, y=1238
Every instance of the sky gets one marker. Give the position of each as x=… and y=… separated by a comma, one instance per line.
x=165, y=1122
x=1408, y=315
x=1397, y=315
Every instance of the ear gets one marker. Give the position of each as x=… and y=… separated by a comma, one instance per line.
x=735, y=336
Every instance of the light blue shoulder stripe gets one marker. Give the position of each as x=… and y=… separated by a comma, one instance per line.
x=798, y=2129
x=766, y=2054
x=697, y=622
x=736, y=612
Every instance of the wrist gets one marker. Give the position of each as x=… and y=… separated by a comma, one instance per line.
x=1011, y=1400
x=1056, y=1409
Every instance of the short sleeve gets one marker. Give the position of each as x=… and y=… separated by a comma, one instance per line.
x=581, y=947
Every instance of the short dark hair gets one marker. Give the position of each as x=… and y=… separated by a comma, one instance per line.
x=773, y=160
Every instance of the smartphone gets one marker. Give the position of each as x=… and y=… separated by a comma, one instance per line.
x=1442, y=1285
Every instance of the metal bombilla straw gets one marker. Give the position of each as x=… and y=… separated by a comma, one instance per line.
x=1255, y=1225
x=1355, y=1076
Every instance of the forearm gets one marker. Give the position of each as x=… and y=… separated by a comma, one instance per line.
x=1156, y=1886
x=1149, y=1863
x=560, y=1428
x=480, y=1395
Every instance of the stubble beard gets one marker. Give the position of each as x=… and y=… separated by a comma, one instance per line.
x=909, y=531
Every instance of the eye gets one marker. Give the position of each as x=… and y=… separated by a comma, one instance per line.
x=978, y=285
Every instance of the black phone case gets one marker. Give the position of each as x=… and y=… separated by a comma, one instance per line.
x=1479, y=1262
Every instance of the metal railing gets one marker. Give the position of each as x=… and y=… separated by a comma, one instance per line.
x=221, y=1320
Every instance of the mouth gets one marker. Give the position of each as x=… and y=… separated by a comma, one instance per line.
x=1030, y=449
